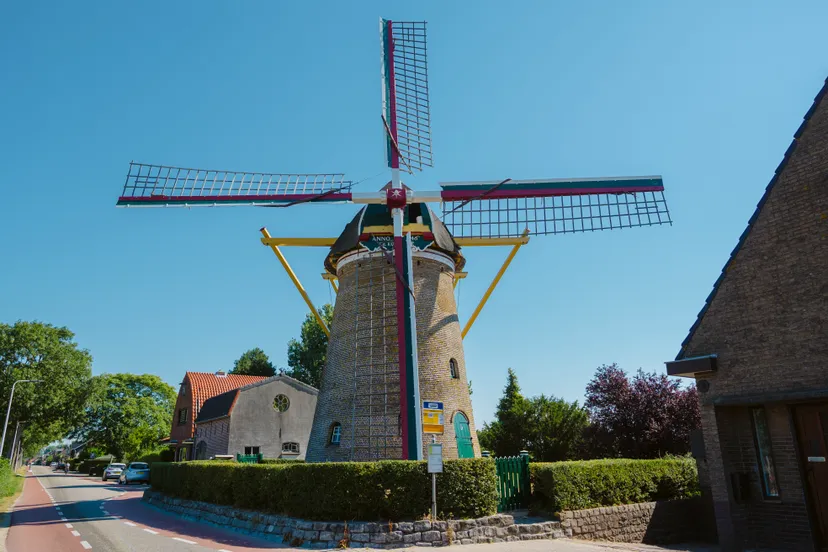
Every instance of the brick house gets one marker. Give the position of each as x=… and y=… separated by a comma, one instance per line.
x=195, y=389
x=759, y=354
x=272, y=417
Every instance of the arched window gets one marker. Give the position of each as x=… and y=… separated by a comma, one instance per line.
x=453, y=369
x=336, y=433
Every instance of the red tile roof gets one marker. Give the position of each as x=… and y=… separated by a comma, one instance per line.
x=200, y=387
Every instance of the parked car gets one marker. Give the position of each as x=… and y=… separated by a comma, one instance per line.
x=53, y=465
x=112, y=471
x=136, y=472
x=59, y=466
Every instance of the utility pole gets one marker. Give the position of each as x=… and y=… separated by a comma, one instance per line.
x=8, y=412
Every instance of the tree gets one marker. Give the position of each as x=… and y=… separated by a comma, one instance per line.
x=127, y=413
x=34, y=350
x=555, y=429
x=307, y=356
x=253, y=363
x=549, y=428
x=643, y=417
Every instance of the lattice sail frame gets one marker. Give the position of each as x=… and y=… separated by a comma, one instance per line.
x=553, y=206
x=405, y=103
x=151, y=185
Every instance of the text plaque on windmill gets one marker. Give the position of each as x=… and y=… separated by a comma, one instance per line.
x=378, y=357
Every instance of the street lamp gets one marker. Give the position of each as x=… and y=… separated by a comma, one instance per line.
x=8, y=412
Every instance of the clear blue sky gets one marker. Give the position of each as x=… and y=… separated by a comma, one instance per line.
x=706, y=94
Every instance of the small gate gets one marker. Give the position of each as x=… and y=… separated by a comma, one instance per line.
x=513, y=482
x=248, y=458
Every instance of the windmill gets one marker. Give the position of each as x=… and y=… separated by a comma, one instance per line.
x=395, y=332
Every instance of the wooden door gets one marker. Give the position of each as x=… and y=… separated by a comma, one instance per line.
x=462, y=432
x=812, y=429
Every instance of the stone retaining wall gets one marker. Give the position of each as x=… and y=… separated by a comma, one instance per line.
x=668, y=522
x=317, y=534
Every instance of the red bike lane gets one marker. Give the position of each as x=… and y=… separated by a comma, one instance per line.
x=36, y=525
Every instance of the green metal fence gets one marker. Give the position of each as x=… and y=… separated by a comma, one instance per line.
x=248, y=458
x=513, y=482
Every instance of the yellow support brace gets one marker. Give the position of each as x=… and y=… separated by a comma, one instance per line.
x=305, y=242
x=295, y=280
x=459, y=276
x=468, y=242
x=494, y=282
x=332, y=279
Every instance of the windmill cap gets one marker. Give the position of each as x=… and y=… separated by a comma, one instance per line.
x=418, y=219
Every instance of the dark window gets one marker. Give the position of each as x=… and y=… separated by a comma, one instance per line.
x=336, y=433
x=182, y=416
x=281, y=403
x=251, y=450
x=291, y=448
x=453, y=369
x=764, y=453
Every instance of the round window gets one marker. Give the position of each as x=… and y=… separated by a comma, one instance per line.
x=281, y=403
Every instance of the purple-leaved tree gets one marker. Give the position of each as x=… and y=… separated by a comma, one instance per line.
x=645, y=416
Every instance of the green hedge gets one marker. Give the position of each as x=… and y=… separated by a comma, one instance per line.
x=161, y=454
x=96, y=466
x=366, y=491
x=577, y=485
x=280, y=461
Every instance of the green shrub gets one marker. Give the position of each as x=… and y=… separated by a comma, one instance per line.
x=96, y=466
x=578, y=485
x=280, y=461
x=161, y=454
x=365, y=491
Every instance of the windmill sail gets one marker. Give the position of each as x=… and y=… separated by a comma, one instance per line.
x=159, y=185
x=552, y=206
x=405, y=104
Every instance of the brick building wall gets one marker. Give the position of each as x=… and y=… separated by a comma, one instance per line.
x=438, y=341
x=767, y=321
x=216, y=436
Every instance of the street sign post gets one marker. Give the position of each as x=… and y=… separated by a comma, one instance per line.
x=435, y=466
x=433, y=419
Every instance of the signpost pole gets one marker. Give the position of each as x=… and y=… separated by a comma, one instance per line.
x=434, y=486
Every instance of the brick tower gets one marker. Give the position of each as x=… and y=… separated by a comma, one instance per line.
x=358, y=410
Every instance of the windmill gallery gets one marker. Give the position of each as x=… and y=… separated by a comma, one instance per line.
x=396, y=341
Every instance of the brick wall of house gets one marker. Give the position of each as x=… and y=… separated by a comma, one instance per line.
x=439, y=340
x=216, y=435
x=768, y=324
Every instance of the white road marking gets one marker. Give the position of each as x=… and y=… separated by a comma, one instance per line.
x=151, y=531
x=130, y=524
x=75, y=534
x=63, y=519
x=86, y=545
x=69, y=526
x=222, y=550
x=179, y=539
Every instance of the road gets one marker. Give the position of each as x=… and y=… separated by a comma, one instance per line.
x=73, y=513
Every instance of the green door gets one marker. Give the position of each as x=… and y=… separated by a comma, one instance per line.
x=463, y=434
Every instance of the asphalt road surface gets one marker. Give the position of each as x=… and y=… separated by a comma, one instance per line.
x=72, y=513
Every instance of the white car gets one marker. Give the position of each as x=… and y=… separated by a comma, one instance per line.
x=53, y=465
x=112, y=471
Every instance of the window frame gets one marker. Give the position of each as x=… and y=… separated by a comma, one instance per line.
x=182, y=411
x=454, y=369
x=765, y=478
x=251, y=450
x=276, y=398
x=336, y=432
x=290, y=447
